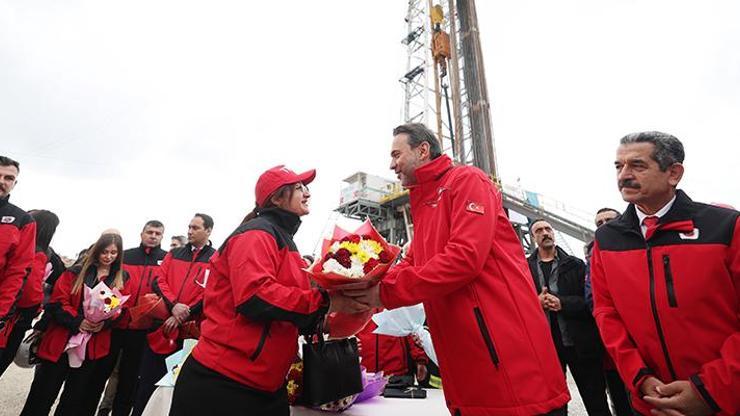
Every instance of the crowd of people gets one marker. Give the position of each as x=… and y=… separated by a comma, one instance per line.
x=651, y=318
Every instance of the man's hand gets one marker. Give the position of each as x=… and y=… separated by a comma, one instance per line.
x=369, y=297
x=541, y=297
x=421, y=372
x=170, y=324
x=91, y=327
x=340, y=303
x=181, y=312
x=649, y=387
x=678, y=397
x=552, y=303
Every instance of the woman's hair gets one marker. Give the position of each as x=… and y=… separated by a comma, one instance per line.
x=46, y=226
x=283, y=192
x=92, y=258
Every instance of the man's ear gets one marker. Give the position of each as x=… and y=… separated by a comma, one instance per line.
x=675, y=173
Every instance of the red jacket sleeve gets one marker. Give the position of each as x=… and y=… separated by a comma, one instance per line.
x=161, y=285
x=462, y=258
x=17, y=268
x=254, y=262
x=718, y=382
x=619, y=344
x=60, y=303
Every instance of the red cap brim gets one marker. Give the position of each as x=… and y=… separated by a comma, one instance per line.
x=307, y=176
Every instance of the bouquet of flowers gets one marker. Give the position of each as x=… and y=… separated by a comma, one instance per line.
x=351, y=257
x=99, y=304
x=362, y=256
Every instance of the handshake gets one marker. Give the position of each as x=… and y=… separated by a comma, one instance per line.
x=355, y=298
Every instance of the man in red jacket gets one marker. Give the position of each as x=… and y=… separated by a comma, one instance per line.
x=666, y=285
x=17, y=246
x=496, y=355
x=181, y=283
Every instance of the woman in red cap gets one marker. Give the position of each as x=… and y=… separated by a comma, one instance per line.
x=257, y=300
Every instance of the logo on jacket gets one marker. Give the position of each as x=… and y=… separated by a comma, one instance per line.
x=475, y=207
x=435, y=202
x=7, y=219
x=694, y=235
x=205, y=279
x=159, y=262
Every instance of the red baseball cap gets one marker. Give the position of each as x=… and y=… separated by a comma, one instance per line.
x=274, y=178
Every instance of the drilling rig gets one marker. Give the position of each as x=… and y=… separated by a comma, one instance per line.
x=445, y=88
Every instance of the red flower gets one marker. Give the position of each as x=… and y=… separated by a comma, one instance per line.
x=346, y=262
x=385, y=257
x=353, y=238
x=370, y=265
x=342, y=253
x=107, y=301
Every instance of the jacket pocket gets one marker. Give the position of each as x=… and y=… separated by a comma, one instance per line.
x=672, y=302
x=261, y=344
x=486, y=336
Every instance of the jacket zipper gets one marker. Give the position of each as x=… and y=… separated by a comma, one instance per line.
x=669, y=281
x=184, y=281
x=656, y=318
x=486, y=336
x=261, y=344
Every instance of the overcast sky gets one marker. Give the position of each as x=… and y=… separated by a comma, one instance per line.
x=120, y=112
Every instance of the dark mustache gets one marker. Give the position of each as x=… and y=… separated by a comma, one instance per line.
x=629, y=183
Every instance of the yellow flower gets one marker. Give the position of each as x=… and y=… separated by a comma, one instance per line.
x=363, y=256
x=352, y=247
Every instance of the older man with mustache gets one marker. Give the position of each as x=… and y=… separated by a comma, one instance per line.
x=666, y=284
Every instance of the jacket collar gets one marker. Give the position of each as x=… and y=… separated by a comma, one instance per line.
x=288, y=221
x=679, y=217
x=4, y=201
x=149, y=250
x=433, y=170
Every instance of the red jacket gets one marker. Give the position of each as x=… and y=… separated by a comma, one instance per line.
x=183, y=276
x=143, y=267
x=65, y=309
x=670, y=306
x=258, y=298
x=32, y=294
x=466, y=264
x=17, y=246
x=387, y=353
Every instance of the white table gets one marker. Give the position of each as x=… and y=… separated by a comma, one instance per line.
x=433, y=405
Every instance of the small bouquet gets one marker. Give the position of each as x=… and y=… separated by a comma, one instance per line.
x=99, y=304
x=406, y=321
x=360, y=257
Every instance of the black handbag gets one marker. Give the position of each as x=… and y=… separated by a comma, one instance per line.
x=331, y=369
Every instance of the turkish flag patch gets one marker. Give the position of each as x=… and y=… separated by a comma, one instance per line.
x=475, y=207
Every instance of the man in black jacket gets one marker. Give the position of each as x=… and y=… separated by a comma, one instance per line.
x=560, y=279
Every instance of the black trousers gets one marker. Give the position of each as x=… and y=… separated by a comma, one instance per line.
x=129, y=345
x=151, y=370
x=588, y=374
x=78, y=398
x=15, y=338
x=202, y=391
x=618, y=394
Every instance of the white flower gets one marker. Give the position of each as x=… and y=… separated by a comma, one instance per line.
x=333, y=266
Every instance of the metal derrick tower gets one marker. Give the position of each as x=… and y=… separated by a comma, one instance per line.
x=445, y=88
